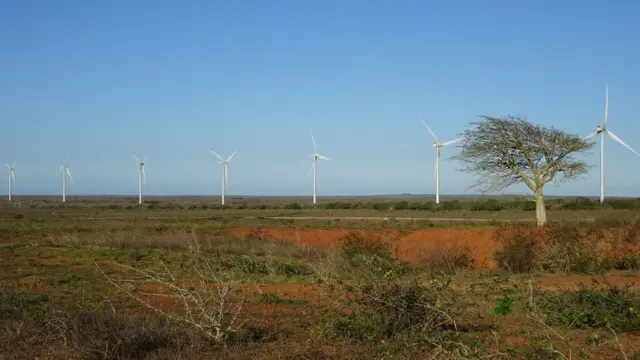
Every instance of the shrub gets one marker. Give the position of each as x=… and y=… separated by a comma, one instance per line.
x=519, y=243
x=293, y=206
x=401, y=205
x=595, y=307
x=214, y=306
x=579, y=203
x=381, y=206
x=449, y=259
x=354, y=244
x=487, y=205
x=366, y=258
x=623, y=204
x=389, y=309
x=629, y=262
x=570, y=249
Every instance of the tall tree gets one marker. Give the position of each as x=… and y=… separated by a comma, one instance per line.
x=509, y=150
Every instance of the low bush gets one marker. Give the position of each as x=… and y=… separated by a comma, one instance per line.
x=567, y=249
x=31, y=327
x=564, y=247
x=519, y=245
x=367, y=258
x=611, y=306
x=629, y=262
x=448, y=259
x=252, y=265
x=384, y=311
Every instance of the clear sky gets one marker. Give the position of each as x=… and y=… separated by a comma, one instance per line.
x=171, y=79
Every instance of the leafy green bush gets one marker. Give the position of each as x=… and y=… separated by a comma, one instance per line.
x=487, y=205
x=629, y=262
x=293, y=206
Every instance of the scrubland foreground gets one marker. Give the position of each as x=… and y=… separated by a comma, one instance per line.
x=130, y=290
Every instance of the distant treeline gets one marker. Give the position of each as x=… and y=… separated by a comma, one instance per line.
x=577, y=203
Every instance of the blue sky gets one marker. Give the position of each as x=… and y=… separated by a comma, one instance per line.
x=170, y=79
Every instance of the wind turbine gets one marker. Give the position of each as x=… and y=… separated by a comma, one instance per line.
x=436, y=172
x=65, y=171
x=141, y=177
x=225, y=176
x=315, y=157
x=12, y=177
x=602, y=129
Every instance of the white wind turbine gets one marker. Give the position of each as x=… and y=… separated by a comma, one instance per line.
x=225, y=176
x=12, y=177
x=315, y=157
x=602, y=129
x=437, y=144
x=141, y=176
x=65, y=172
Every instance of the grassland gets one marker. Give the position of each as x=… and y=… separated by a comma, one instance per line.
x=345, y=279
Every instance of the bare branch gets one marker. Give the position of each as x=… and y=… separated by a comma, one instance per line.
x=510, y=150
x=211, y=307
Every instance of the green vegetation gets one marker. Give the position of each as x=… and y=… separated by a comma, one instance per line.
x=505, y=203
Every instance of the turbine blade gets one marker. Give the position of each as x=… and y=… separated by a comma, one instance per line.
x=435, y=170
x=14, y=164
x=428, y=128
x=7, y=165
x=323, y=157
x=218, y=156
x=451, y=142
x=69, y=173
x=145, y=159
x=310, y=170
x=144, y=175
x=137, y=159
x=592, y=134
x=617, y=139
x=13, y=177
x=232, y=155
x=313, y=139
x=606, y=104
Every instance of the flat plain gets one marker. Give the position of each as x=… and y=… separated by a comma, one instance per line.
x=348, y=278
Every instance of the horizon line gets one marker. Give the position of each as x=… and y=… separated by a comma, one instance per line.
x=229, y=196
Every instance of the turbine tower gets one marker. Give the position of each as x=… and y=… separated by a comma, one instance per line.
x=602, y=129
x=12, y=177
x=141, y=177
x=65, y=172
x=437, y=144
x=315, y=156
x=225, y=176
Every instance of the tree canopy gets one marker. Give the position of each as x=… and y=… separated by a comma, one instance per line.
x=503, y=151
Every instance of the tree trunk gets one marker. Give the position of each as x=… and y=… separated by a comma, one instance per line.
x=541, y=211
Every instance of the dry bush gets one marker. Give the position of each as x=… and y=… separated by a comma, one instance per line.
x=519, y=245
x=570, y=249
x=33, y=327
x=562, y=247
x=210, y=305
x=448, y=259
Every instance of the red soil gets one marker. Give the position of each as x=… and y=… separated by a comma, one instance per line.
x=406, y=246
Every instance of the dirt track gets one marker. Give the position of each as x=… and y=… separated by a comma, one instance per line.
x=355, y=218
